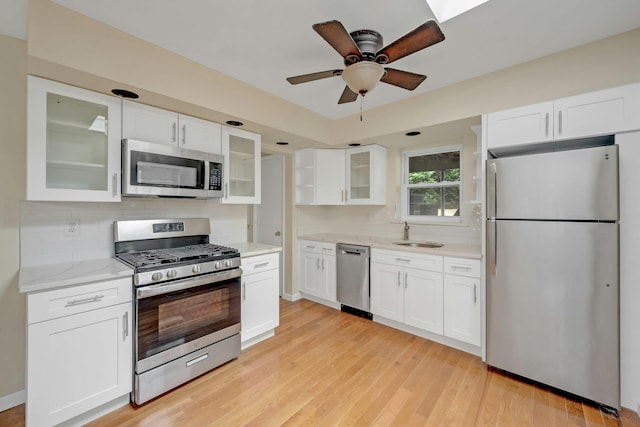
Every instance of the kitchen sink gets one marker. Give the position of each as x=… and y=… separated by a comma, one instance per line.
x=420, y=244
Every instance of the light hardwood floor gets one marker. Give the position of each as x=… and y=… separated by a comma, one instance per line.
x=327, y=368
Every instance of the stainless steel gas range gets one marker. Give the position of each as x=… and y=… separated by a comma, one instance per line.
x=186, y=301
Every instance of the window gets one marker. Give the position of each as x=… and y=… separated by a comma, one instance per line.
x=431, y=184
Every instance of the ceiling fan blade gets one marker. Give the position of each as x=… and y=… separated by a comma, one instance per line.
x=313, y=76
x=424, y=36
x=347, y=96
x=403, y=79
x=337, y=36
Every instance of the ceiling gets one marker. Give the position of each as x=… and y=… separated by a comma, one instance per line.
x=262, y=43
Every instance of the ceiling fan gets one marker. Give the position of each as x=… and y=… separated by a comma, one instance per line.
x=364, y=57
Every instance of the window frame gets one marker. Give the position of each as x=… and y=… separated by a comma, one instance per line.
x=406, y=187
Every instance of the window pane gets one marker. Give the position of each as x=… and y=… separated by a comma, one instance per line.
x=434, y=168
x=444, y=201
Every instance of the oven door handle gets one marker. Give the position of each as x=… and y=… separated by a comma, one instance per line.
x=165, y=288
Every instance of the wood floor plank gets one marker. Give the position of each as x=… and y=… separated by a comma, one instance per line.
x=328, y=368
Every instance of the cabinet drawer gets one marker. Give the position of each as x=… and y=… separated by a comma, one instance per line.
x=408, y=259
x=462, y=266
x=323, y=248
x=260, y=263
x=77, y=299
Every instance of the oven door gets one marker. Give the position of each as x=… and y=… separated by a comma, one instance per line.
x=177, y=318
x=150, y=169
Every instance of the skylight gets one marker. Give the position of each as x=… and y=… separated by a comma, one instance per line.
x=447, y=9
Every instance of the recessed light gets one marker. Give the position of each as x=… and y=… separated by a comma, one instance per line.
x=354, y=144
x=234, y=123
x=125, y=93
x=282, y=143
x=414, y=133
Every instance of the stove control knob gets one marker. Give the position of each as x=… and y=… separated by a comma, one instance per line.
x=217, y=265
x=171, y=274
x=156, y=276
x=196, y=268
x=228, y=263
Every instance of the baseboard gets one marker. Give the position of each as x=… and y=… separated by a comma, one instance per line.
x=292, y=297
x=13, y=400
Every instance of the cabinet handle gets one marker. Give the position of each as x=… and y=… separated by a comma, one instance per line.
x=546, y=125
x=264, y=264
x=559, y=122
x=406, y=279
x=403, y=260
x=73, y=302
x=184, y=134
x=244, y=291
x=475, y=295
x=173, y=127
x=461, y=267
x=346, y=195
x=310, y=247
x=398, y=279
x=327, y=249
x=115, y=185
x=125, y=325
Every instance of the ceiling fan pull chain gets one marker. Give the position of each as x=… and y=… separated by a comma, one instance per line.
x=361, y=102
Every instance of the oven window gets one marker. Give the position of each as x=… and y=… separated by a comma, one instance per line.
x=159, y=170
x=168, y=320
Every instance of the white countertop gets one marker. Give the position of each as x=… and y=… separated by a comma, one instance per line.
x=52, y=276
x=249, y=249
x=449, y=249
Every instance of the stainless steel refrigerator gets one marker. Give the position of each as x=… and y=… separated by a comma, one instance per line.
x=552, y=270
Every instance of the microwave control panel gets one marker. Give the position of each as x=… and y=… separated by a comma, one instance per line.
x=215, y=176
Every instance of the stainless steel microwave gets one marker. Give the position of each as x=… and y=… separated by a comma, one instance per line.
x=158, y=170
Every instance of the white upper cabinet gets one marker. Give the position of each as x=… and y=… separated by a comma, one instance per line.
x=598, y=113
x=73, y=143
x=366, y=175
x=152, y=124
x=241, y=150
x=338, y=177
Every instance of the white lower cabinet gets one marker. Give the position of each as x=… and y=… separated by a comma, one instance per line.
x=440, y=295
x=260, y=296
x=79, y=354
x=318, y=270
x=462, y=300
x=405, y=294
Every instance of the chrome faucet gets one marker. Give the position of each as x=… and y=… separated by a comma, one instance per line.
x=406, y=231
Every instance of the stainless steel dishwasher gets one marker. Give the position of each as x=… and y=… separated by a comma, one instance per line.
x=353, y=279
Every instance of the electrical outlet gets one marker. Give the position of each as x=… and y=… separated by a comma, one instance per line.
x=72, y=228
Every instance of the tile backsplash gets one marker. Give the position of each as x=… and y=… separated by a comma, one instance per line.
x=44, y=236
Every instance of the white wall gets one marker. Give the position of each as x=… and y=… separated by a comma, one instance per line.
x=629, y=145
x=42, y=225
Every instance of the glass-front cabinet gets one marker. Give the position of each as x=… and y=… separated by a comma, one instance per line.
x=241, y=150
x=73, y=143
x=366, y=175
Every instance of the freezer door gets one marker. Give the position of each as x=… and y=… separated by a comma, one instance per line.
x=552, y=305
x=575, y=185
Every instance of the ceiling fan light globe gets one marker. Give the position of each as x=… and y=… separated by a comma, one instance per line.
x=363, y=76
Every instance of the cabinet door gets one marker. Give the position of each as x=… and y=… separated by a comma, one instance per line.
x=78, y=362
x=73, y=143
x=387, y=291
x=260, y=310
x=462, y=308
x=329, y=278
x=200, y=135
x=329, y=177
x=366, y=175
x=598, y=113
x=241, y=152
x=149, y=124
x=423, y=300
x=523, y=125
x=310, y=277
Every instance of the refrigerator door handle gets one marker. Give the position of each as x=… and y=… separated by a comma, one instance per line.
x=492, y=250
x=492, y=190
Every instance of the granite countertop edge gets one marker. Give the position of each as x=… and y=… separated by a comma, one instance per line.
x=461, y=250
x=53, y=276
x=250, y=249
